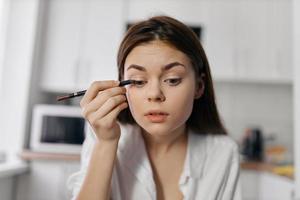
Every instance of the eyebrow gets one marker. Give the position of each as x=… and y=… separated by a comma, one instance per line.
x=165, y=68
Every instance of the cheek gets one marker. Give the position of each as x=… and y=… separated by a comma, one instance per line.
x=182, y=112
x=182, y=100
x=134, y=99
x=184, y=92
x=183, y=103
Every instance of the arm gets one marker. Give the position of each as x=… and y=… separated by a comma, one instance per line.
x=233, y=190
x=97, y=181
x=101, y=105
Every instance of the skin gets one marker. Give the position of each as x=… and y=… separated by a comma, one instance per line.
x=163, y=88
x=101, y=105
x=166, y=142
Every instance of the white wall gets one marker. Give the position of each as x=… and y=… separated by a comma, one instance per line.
x=16, y=73
x=4, y=5
x=268, y=106
x=296, y=59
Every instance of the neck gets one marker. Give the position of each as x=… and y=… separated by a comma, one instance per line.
x=162, y=144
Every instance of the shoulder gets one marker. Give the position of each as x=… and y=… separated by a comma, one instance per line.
x=217, y=146
x=214, y=141
x=221, y=143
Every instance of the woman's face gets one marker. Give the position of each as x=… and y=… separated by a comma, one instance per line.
x=162, y=101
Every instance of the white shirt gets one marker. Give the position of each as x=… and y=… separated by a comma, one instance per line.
x=211, y=168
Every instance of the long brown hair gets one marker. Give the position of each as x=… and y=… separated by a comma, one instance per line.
x=204, y=118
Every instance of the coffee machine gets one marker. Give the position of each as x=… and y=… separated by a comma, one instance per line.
x=253, y=145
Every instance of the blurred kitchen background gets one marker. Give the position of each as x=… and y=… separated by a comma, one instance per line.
x=52, y=47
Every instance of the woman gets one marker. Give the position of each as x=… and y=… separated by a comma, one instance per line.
x=162, y=137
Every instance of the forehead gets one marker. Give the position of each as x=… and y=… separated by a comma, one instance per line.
x=155, y=53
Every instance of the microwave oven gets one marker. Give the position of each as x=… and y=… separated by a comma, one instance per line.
x=57, y=129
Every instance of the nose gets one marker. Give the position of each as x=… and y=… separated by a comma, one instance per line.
x=155, y=93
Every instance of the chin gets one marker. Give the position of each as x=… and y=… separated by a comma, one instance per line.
x=158, y=129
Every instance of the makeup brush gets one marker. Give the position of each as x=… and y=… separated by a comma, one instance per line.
x=81, y=93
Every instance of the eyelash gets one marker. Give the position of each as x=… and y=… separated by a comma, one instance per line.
x=172, y=81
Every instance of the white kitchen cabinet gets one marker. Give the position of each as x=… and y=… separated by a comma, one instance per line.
x=251, y=39
x=216, y=18
x=260, y=185
x=275, y=187
x=249, y=183
x=263, y=42
x=280, y=43
x=62, y=33
x=104, y=30
x=46, y=180
x=6, y=188
x=80, y=43
x=244, y=40
x=219, y=37
x=10, y=170
x=248, y=41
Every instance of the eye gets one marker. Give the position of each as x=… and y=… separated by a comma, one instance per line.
x=173, y=81
x=139, y=83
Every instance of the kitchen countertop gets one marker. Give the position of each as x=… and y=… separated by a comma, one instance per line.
x=12, y=168
x=32, y=155
x=268, y=167
x=245, y=165
x=258, y=166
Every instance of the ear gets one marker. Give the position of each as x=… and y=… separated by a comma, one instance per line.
x=200, y=86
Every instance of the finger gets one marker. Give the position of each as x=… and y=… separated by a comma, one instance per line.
x=94, y=89
x=111, y=117
x=108, y=106
x=101, y=98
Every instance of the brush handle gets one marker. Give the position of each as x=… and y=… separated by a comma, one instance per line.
x=71, y=95
x=81, y=93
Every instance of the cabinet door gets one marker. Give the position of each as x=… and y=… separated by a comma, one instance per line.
x=217, y=19
x=279, y=31
x=275, y=187
x=249, y=183
x=62, y=35
x=220, y=42
x=81, y=43
x=251, y=40
x=104, y=28
x=263, y=42
x=47, y=180
x=7, y=187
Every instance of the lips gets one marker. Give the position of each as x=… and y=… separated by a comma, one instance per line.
x=156, y=116
x=156, y=112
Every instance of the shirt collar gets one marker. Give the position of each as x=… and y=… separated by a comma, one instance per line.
x=133, y=149
x=133, y=155
x=196, y=155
